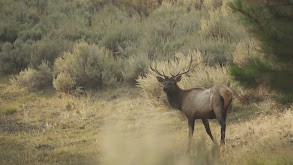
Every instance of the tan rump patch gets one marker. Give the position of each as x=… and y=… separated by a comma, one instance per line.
x=226, y=93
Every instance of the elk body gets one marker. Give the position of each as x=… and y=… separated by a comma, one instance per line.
x=198, y=103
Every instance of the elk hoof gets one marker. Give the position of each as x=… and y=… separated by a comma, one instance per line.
x=222, y=143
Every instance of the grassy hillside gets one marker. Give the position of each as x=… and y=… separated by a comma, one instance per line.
x=121, y=127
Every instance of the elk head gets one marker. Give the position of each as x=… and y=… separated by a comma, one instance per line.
x=170, y=83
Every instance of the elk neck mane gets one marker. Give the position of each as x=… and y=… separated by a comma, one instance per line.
x=175, y=97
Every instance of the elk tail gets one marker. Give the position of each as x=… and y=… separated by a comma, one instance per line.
x=226, y=108
x=226, y=96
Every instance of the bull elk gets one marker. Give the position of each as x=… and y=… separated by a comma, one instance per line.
x=197, y=103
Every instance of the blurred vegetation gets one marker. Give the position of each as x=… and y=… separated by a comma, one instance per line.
x=9, y=110
x=271, y=22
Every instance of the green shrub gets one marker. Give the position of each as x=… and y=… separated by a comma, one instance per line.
x=166, y=30
x=25, y=78
x=64, y=82
x=135, y=66
x=14, y=57
x=122, y=39
x=214, y=51
x=212, y=4
x=189, y=4
x=45, y=75
x=48, y=50
x=218, y=26
x=10, y=110
x=88, y=66
x=141, y=7
x=36, y=33
x=9, y=32
x=33, y=79
x=217, y=37
x=217, y=52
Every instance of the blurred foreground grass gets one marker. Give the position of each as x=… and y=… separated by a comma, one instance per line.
x=120, y=127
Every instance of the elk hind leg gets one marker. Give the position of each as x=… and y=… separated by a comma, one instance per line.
x=207, y=126
x=221, y=120
x=223, y=130
x=221, y=117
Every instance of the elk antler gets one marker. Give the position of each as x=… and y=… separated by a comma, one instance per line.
x=179, y=74
x=156, y=70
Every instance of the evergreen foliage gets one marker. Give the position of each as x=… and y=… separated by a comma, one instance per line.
x=271, y=22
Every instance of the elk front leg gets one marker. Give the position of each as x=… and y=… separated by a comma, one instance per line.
x=191, y=129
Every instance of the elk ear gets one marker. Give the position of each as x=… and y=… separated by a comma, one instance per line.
x=178, y=78
x=160, y=79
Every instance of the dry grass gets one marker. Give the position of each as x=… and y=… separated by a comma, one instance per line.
x=121, y=127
